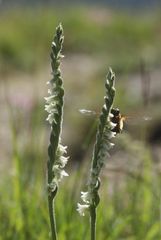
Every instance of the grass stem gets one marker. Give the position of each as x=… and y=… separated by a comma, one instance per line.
x=93, y=222
x=52, y=218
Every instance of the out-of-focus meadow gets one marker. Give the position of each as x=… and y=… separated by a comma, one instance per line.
x=95, y=38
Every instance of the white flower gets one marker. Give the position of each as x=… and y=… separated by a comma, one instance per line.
x=50, y=118
x=53, y=44
x=82, y=208
x=110, y=134
x=63, y=161
x=85, y=196
x=50, y=99
x=52, y=186
x=50, y=107
x=111, y=115
x=112, y=125
x=62, y=149
x=59, y=173
x=60, y=159
x=104, y=106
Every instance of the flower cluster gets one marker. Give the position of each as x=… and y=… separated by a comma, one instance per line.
x=101, y=149
x=58, y=168
x=54, y=107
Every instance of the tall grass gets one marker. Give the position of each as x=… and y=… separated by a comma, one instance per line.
x=130, y=211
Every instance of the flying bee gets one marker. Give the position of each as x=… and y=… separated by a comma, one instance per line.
x=116, y=118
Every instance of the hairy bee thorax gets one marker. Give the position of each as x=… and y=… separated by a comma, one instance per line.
x=118, y=119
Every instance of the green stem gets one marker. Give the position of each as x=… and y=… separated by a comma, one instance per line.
x=55, y=110
x=93, y=222
x=52, y=218
x=100, y=149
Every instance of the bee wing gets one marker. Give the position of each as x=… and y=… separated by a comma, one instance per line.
x=87, y=112
x=147, y=118
x=137, y=119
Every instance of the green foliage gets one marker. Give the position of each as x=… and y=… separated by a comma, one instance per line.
x=130, y=212
x=120, y=38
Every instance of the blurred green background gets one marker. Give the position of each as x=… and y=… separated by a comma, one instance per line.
x=125, y=36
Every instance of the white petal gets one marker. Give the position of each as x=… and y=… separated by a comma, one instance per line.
x=50, y=118
x=111, y=134
x=50, y=98
x=59, y=173
x=112, y=125
x=85, y=196
x=63, y=161
x=62, y=149
x=111, y=115
x=82, y=208
x=50, y=108
x=64, y=173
